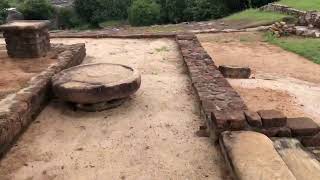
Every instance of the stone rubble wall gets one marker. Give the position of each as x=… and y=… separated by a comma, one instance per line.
x=273, y=7
x=18, y=110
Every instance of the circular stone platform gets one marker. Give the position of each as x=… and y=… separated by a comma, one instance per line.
x=95, y=84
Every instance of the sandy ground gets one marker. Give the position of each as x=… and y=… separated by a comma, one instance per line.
x=15, y=73
x=282, y=80
x=152, y=136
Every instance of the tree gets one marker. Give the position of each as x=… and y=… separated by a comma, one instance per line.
x=3, y=12
x=144, y=12
x=90, y=11
x=36, y=9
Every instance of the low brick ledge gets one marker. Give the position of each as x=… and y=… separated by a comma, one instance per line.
x=18, y=110
x=221, y=106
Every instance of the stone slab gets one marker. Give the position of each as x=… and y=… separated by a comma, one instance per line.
x=96, y=83
x=21, y=25
x=276, y=132
x=303, y=126
x=303, y=164
x=251, y=155
x=310, y=141
x=272, y=118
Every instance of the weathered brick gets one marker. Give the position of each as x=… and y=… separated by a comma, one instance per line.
x=272, y=118
x=303, y=126
x=253, y=118
x=229, y=120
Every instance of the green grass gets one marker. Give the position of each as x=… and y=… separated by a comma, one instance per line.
x=306, y=47
x=302, y=4
x=254, y=15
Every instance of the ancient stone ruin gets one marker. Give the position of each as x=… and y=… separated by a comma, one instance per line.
x=96, y=87
x=26, y=39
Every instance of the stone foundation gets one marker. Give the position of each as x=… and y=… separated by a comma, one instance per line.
x=26, y=39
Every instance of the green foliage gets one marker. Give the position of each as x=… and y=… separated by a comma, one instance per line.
x=3, y=14
x=90, y=11
x=259, y=3
x=207, y=9
x=68, y=18
x=96, y=11
x=144, y=12
x=172, y=10
x=36, y=9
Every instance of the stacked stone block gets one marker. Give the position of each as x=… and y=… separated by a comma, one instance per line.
x=26, y=39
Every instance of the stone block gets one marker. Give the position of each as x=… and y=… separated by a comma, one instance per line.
x=229, y=120
x=310, y=140
x=272, y=118
x=303, y=126
x=235, y=72
x=253, y=118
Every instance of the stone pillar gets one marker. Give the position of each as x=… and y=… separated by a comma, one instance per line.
x=26, y=39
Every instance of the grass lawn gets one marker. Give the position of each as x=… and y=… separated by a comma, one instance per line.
x=302, y=4
x=306, y=47
x=256, y=16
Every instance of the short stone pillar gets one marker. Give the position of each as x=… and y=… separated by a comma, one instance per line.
x=26, y=39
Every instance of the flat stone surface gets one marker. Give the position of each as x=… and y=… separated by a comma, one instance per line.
x=272, y=118
x=301, y=162
x=252, y=155
x=253, y=118
x=235, y=72
x=303, y=126
x=95, y=83
x=24, y=25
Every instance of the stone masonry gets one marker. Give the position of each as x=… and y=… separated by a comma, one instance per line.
x=26, y=39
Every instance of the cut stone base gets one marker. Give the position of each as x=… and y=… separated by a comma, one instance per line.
x=235, y=72
x=100, y=106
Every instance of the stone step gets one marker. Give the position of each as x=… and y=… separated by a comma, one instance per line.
x=251, y=155
x=300, y=161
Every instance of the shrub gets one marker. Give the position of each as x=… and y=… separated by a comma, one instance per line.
x=172, y=10
x=90, y=11
x=144, y=12
x=115, y=9
x=3, y=13
x=67, y=18
x=36, y=9
x=205, y=9
x=259, y=3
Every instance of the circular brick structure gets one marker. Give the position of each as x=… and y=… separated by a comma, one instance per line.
x=96, y=86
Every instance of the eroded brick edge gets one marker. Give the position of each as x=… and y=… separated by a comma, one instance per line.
x=18, y=110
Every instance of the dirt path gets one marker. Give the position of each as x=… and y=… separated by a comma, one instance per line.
x=152, y=136
x=283, y=80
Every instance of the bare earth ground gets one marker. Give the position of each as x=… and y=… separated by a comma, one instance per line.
x=281, y=80
x=152, y=136
x=15, y=73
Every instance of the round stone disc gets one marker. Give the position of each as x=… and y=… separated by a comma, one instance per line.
x=95, y=83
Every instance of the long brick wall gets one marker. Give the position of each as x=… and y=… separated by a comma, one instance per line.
x=19, y=109
x=221, y=105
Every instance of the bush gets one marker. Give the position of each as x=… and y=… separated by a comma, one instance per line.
x=172, y=11
x=68, y=18
x=259, y=3
x=90, y=11
x=200, y=10
x=144, y=12
x=115, y=9
x=36, y=9
x=3, y=13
